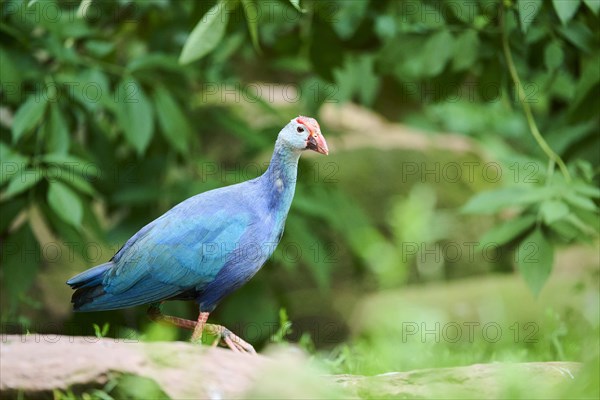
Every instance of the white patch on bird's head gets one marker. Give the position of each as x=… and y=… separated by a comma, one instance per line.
x=298, y=131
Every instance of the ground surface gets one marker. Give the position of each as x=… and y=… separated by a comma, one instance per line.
x=36, y=365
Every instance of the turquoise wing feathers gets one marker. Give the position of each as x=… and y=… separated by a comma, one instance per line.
x=179, y=251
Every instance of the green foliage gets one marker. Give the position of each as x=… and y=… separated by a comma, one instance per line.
x=285, y=328
x=101, y=332
x=507, y=231
x=27, y=117
x=174, y=125
x=65, y=203
x=535, y=258
x=135, y=114
x=121, y=386
x=553, y=211
x=137, y=387
x=473, y=321
x=207, y=34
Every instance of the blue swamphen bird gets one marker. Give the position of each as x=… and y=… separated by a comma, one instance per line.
x=205, y=247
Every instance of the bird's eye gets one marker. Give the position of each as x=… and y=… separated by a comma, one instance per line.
x=300, y=129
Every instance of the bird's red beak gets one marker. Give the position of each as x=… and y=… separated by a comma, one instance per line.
x=317, y=142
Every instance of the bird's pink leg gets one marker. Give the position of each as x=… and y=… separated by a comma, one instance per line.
x=197, y=335
x=155, y=314
x=224, y=336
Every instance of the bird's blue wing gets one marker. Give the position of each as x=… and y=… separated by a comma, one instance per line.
x=183, y=249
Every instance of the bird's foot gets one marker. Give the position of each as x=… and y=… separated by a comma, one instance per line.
x=224, y=336
x=229, y=339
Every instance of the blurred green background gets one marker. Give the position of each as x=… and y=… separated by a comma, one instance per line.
x=455, y=220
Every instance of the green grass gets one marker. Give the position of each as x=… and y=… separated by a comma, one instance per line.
x=481, y=320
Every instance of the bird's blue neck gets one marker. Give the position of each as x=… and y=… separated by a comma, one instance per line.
x=279, y=179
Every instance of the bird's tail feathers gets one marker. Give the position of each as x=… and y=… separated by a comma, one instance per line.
x=91, y=277
x=88, y=285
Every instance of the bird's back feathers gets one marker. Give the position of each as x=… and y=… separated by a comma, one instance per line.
x=213, y=234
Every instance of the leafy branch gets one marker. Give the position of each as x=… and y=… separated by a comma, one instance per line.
x=535, y=132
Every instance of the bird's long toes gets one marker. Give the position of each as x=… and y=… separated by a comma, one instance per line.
x=248, y=348
x=236, y=343
x=245, y=347
x=231, y=344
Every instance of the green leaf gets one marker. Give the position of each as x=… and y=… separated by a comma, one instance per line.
x=593, y=5
x=206, y=35
x=155, y=60
x=436, y=53
x=285, y=328
x=385, y=26
x=135, y=114
x=72, y=164
x=89, y=87
x=12, y=163
x=230, y=45
x=580, y=35
x=492, y=201
x=173, y=123
x=28, y=116
x=507, y=231
x=579, y=201
x=348, y=17
x=590, y=76
x=100, y=333
x=553, y=210
x=590, y=227
x=92, y=89
x=585, y=169
x=528, y=9
x=535, y=256
x=252, y=12
x=99, y=48
x=466, y=50
x=591, y=218
x=21, y=182
x=587, y=190
x=357, y=77
x=65, y=203
x=11, y=75
x=565, y=230
x=63, y=230
x=565, y=9
x=57, y=132
x=61, y=158
x=553, y=55
x=296, y=4
x=83, y=8
x=79, y=183
x=561, y=137
x=70, y=177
